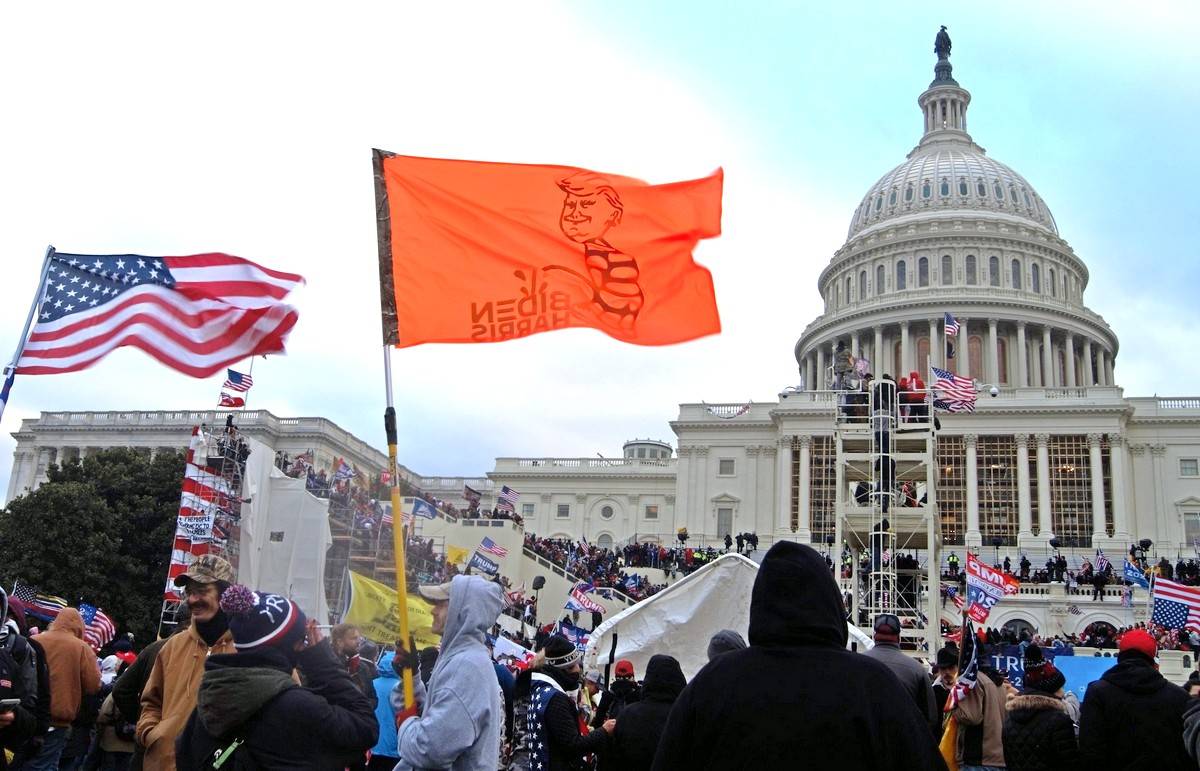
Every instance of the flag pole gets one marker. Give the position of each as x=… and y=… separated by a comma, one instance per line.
x=10, y=369
x=398, y=531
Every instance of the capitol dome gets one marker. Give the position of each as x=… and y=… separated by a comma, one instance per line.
x=953, y=232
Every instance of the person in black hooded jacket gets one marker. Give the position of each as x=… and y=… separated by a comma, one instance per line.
x=249, y=704
x=1132, y=717
x=796, y=696
x=1038, y=735
x=641, y=724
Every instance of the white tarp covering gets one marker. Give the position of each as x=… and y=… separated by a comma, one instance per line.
x=680, y=620
x=285, y=533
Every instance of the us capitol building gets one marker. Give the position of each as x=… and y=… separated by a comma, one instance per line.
x=1055, y=450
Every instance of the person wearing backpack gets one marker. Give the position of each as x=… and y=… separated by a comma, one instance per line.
x=251, y=713
x=18, y=680
x=115, y=739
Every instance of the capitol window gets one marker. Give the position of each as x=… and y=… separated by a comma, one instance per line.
x=725, y=467
x=1189, y=467
x=972, y=275
x=901, y=276
x=563, y=511
x=926, y=189
x=1050, y=283
x=908, y=192
x=879, y=202
x=945, y=188
x=1035, y=276
x=1002, y=361
x=947, y=270
x=641, y=452
x=999, y=191
x=849, y=291
x=892, y=197
x=1016, y=274
x=1028, y=200
x=981, y=189
x=862, y=285
x=651, y=511
x=962, y=186
x=923, y=271
x=526, y=510
x=879, y=279
x=994, y=271
x=606, y=512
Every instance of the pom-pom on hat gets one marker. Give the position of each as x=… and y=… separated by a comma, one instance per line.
x=1040, y=674
x=260, y=620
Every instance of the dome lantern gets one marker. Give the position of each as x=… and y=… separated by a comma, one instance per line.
x=944, y=103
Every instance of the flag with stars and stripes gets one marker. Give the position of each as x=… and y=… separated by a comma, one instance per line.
x=236, y=381
x=536, y=741
x=1176, y=606
x=951, y=325
x=196, y=314
x=99, y=629
x=953, y=393
x=1101, y=561
x=507, y=499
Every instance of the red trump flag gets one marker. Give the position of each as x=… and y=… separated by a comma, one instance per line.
x=474, y=252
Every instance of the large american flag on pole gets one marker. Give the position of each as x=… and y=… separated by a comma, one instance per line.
x=952, y=392
x=236, y=381
x=196, y=314
x=1176, y=606
x=508, y=498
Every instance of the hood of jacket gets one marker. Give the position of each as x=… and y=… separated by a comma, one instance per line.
x=236, y=686
x=664, y=679
x=474, y=605
x=1024, y=708
x=385, y=667
x=795, y=601
x=623, y=688
x=68, y=620
x=1135, y=674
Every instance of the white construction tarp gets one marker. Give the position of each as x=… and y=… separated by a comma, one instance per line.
x=680, y=620
x=285, y=534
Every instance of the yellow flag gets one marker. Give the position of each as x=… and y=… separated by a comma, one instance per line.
x=949, y=744
x=455, y=555
x=374, y=611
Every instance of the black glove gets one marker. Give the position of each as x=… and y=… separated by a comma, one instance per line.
x=406, y=657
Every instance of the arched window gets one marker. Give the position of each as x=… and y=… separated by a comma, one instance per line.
x=908, y=192
x=879, y=280
x=923, y=355
x=944, y=189
x=993, y=271
x=923, y=271
x=962, y=186
x=1002, y=361
x=1064, y=287
x=972, y=271
x=974, y=357
x=862, y=285
x=901, y=276
x=1050, y=282
x=981, y=189
x=947, y=270
x=999, y=191
x=1028, y=200
x=837, y=295
x=604, y=541
x=1035, y=275
x=879, y=202
x=849, y=293
x=892, y=197
x=926, y=189
x=1016, y=274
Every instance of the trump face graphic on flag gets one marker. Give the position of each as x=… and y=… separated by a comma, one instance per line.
x=591, y=208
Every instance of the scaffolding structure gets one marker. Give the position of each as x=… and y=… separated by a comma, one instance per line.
x=886, y=509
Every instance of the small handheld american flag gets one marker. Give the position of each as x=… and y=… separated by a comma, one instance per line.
x=951, y=324
x=953, y=393
x=491, y=547
x=236, y=381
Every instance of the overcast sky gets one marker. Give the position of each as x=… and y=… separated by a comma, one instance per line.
x=247, y=128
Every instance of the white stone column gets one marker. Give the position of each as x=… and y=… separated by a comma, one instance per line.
x=751, y=501
x=1089, y=376
x=700, y=503
x=877, y=366
x=1109, y=379
x=783, y=482
x=1047, y=359
x=1024, y=509
x=854, y=344
x=905, y=350
x=683, y=482
x=1097, y=474
x=1045, y=519
x=974, y=537
x=1022, y=357
x=991, y=370
x=1117, y=460
x=1101, y=369
x=819, y=383
x=962, y=349
x=804, y=529
x=937, y=352
x=1069, y=352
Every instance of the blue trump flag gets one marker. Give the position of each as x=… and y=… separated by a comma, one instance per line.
x=483, y=563
x=1135, y=576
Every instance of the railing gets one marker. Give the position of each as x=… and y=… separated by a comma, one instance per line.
x=559, y=570
x=582, y=463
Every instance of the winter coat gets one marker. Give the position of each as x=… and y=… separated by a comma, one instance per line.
x=127, y=693
x=980, y=717
x=72, y=665
x=251, y=695
x=554, y=729
x=641, y=724
x=913, y=678
x=18, y=680
x=107, y=723
x=1039, y=736
x=1132, y=718
x=384, y=683
x=796, y=694
x=619, y=695
x=462, y=720
x=1191, y=730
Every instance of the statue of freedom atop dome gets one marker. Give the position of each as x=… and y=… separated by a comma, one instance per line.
x=941, y=44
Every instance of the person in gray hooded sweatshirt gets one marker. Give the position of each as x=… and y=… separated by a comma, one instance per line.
x=461, y=719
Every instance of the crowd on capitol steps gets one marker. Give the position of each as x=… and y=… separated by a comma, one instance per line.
x=247, y=681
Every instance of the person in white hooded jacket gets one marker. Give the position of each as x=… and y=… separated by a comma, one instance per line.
x=458, y=724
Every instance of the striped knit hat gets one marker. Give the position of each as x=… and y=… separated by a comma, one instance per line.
x=260, y=620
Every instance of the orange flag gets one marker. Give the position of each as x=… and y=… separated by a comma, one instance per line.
x=473, y=252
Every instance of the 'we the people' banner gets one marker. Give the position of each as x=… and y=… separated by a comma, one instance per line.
x=985, y=587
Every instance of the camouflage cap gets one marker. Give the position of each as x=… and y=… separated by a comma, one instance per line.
x=207, y=569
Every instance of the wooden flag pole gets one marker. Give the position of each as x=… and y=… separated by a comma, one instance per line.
x=399, y=532
x=9, y=370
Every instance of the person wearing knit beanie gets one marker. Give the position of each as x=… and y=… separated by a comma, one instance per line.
x=1041, y=676
x=725, y=641
x=1038, y=733
x=260, y=620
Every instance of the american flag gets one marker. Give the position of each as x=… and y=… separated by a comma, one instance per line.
x=1101, y=561
x=195, y=314
x=508, y=498
x=99, y=629
x=236, y=381
x=344, y=471
x=968, y=666
x=951, y=325
x=37, y=602
x=491, y=547
x=1176, y=606
x=472, y=495
x=954, y=393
